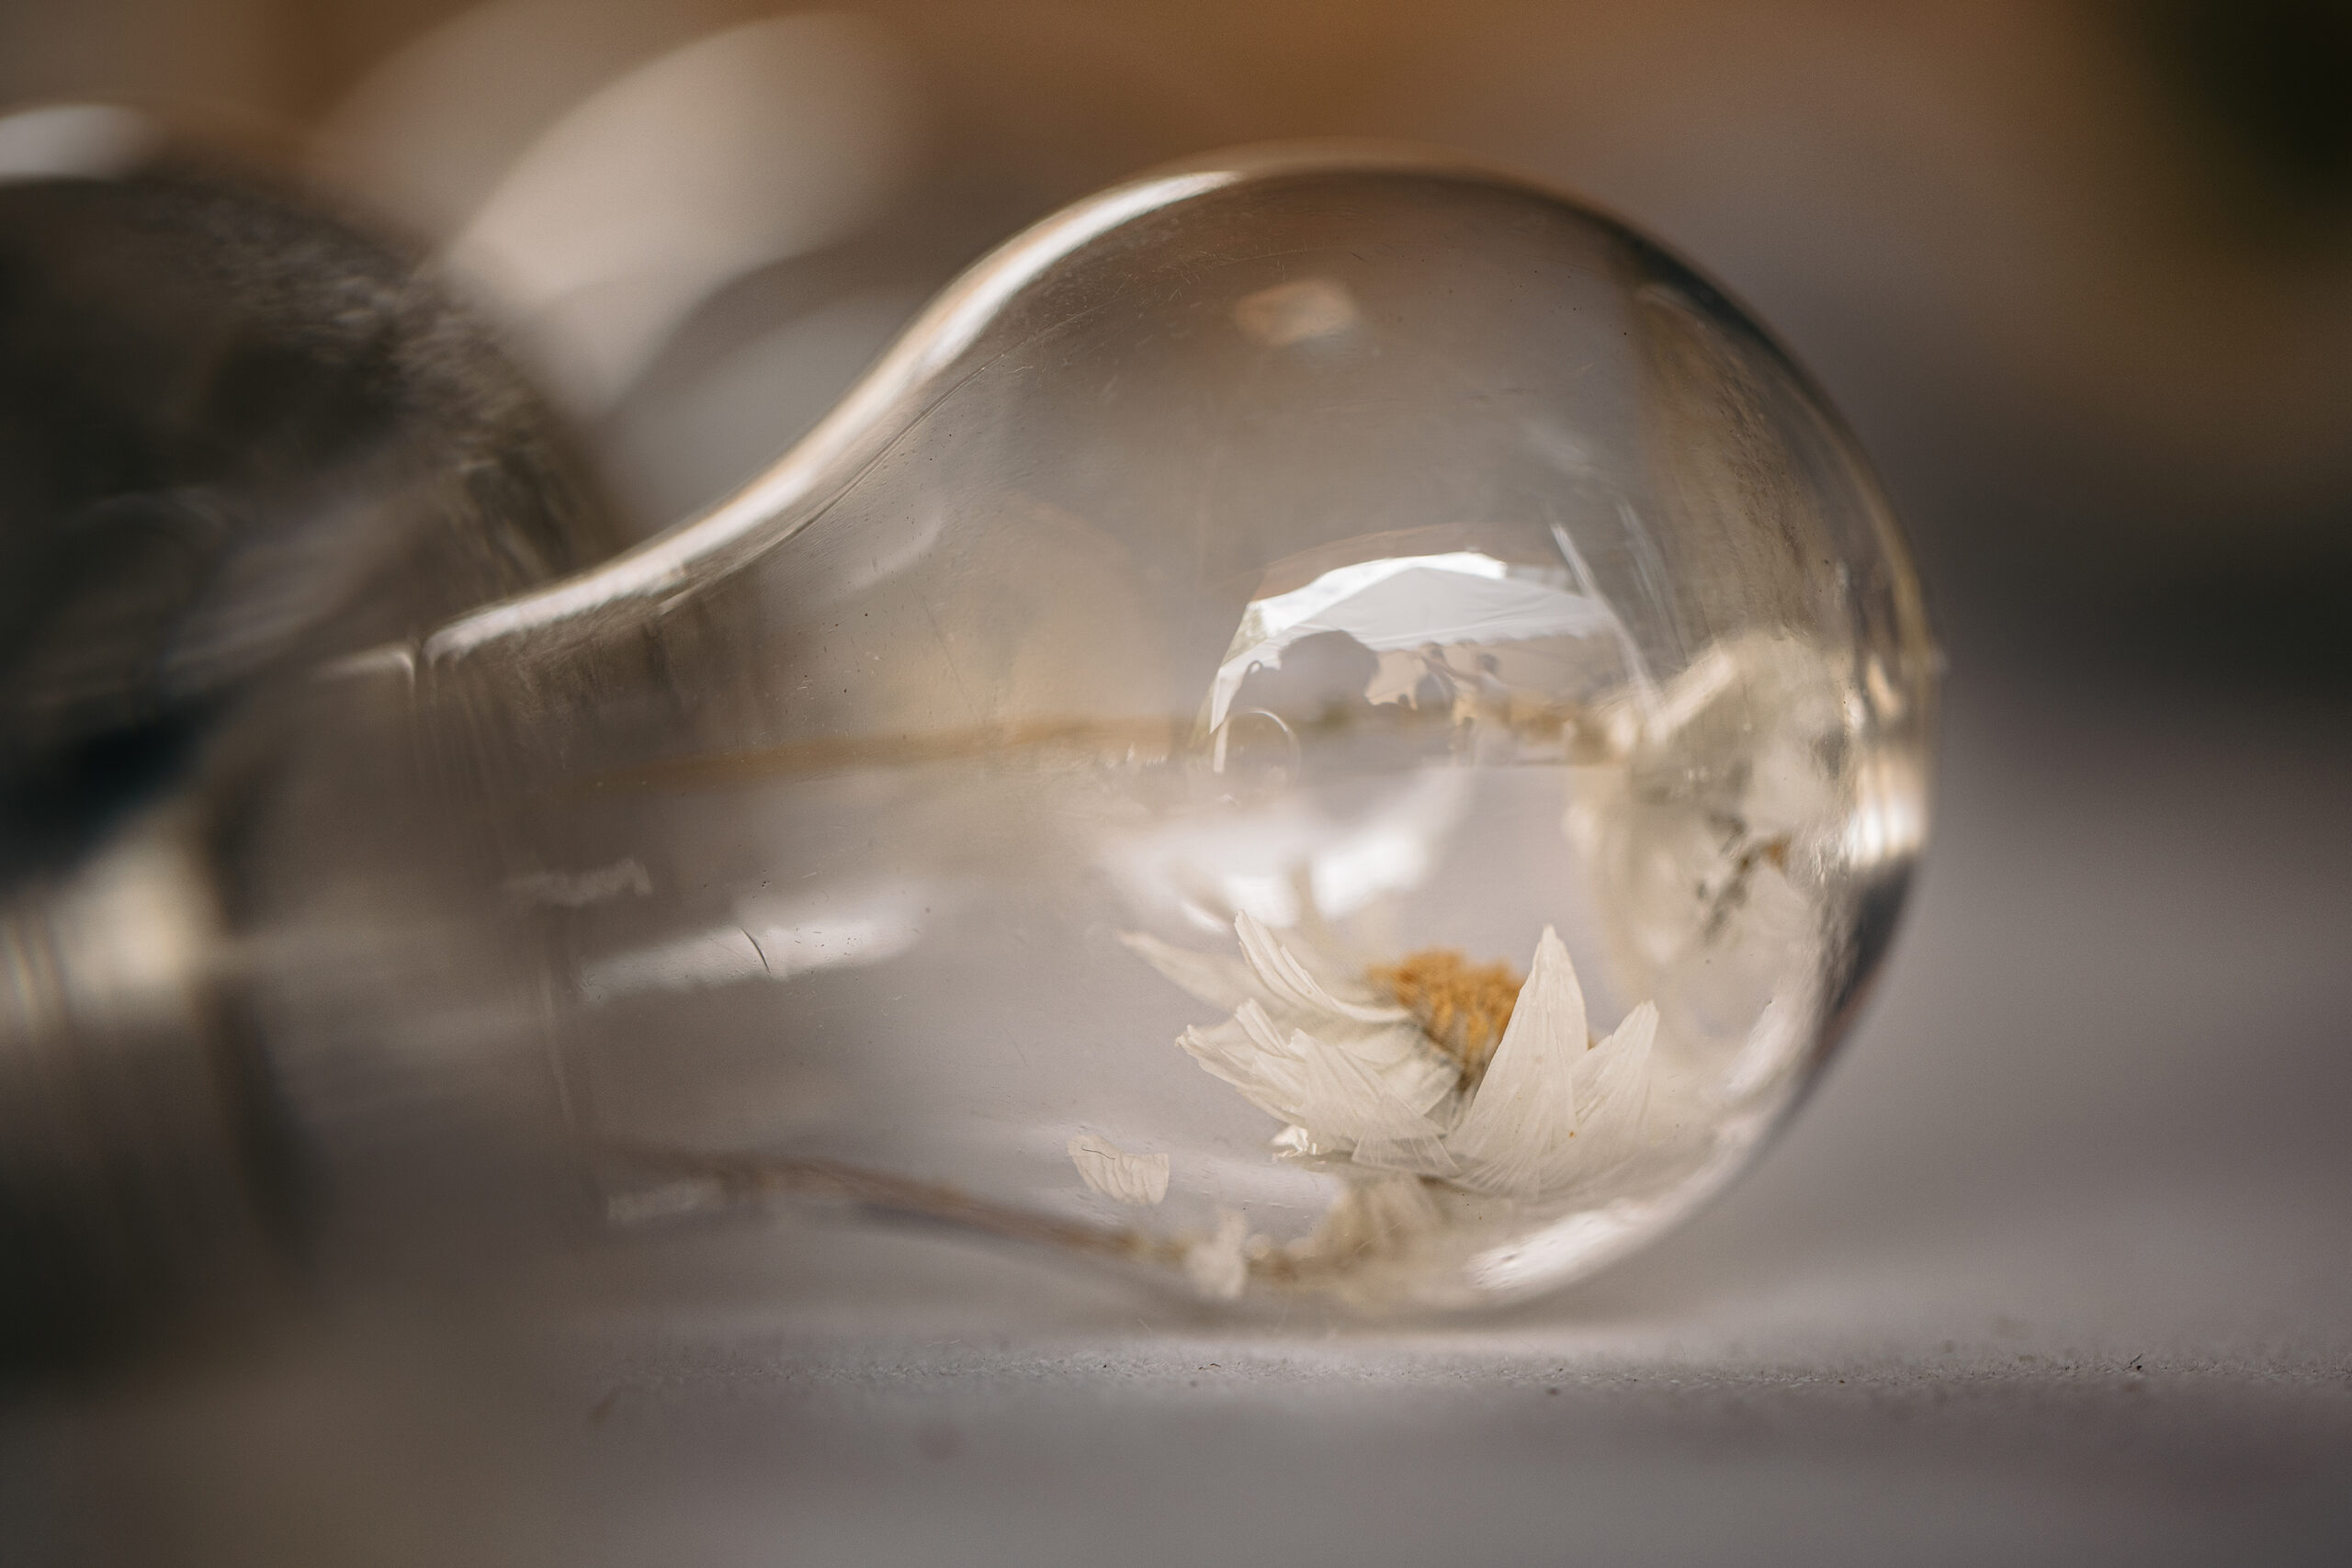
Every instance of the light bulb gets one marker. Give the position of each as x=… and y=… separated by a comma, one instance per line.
x=1328, y=723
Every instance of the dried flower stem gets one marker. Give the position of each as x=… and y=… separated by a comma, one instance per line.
x=746, y=1177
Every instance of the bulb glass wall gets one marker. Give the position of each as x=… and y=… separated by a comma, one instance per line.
x=1322, y=725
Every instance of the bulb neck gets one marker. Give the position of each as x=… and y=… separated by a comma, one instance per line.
x=270, y=1032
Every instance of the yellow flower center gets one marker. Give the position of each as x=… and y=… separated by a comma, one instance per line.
x=1462, y=1007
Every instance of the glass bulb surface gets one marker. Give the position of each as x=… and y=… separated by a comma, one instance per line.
x=1327, y=722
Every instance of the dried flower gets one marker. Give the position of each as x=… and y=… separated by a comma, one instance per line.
x=1428, y=1084
x=1405, y=1085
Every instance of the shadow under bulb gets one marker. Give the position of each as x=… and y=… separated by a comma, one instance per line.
x=1325, y=724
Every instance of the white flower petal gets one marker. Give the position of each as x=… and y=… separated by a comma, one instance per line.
x=1612, y=1089
x=1389, y=1043
x=1402, y=1057
x=1610, y=1086
x=1343, y=1102
x=1421, y=1155
x=1117, y=1174
x=1277, y=1066
x=1525, y=1108
x=1256, y=1023
x=1335, y=1102
x=1226, y=1051
x=1279, y=970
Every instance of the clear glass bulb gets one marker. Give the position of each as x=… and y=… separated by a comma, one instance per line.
x=1324, y=722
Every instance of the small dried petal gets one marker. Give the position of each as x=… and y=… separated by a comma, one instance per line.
x=1613, y=1094
x=1118, y=1174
